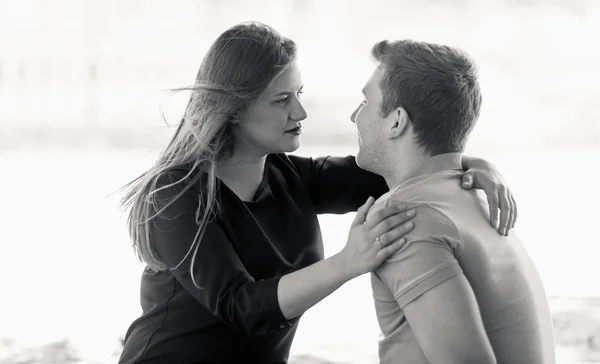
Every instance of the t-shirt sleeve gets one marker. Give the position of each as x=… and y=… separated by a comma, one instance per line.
x=427, y=259
x=227, y=290
x=337, y=184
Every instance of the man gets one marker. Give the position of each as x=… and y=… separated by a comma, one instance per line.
x=457, y=291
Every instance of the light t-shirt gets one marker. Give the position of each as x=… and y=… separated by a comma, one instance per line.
x=453, y=236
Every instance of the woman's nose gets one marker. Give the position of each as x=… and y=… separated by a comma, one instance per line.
x=299, y=113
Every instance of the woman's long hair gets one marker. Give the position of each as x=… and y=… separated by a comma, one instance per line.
x=234, y=74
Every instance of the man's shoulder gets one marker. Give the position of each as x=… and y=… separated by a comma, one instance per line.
x=432, y=223
x=437, y=186
x=439, y=194
x=430, y=220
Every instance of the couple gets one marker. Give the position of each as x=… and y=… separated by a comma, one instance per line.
x=226, y=221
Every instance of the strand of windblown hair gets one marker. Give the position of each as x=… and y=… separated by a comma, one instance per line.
x=212, y=87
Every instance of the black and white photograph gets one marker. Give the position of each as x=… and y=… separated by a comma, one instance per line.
x=299, y=181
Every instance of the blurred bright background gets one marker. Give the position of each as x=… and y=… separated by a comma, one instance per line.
x=82, y=87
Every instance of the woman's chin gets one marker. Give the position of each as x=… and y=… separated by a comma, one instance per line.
x=291, y=145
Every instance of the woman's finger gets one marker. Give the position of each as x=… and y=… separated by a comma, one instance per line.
x=514, y=210
x=395, y=234
x=492, y=198
x=504, y=210
x=385, y=253
x=361, y=213
x=390, y=208
x=391, y=223
x=467, y=180
x=511, y=214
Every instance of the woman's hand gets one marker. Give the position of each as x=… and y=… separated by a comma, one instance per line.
x=371, y=242
x=484, y=175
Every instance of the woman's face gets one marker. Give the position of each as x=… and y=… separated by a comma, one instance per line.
x=273, y=123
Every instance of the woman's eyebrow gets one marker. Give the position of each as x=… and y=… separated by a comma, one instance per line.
x=288, y=92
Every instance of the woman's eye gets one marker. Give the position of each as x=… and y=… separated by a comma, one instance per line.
x=282, y=101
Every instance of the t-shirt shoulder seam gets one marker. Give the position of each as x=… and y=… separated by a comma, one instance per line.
x=441, y=212
x=444, y=267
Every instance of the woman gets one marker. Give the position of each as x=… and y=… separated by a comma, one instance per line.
x=227, y=222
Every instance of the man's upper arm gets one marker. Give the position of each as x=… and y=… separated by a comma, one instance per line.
x=447, y=324
x=427, y=282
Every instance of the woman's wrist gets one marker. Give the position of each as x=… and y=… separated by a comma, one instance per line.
x=342, y=266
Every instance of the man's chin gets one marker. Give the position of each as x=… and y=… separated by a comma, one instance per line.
x=367, y=163
x=361, y=162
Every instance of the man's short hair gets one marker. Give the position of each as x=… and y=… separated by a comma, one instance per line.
x=437, y=85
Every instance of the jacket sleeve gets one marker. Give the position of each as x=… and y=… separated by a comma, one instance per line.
x=337, y=184
x=227, y=290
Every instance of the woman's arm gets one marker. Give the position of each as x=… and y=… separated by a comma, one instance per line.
x=484, y=175
x=300, y=290
x=338, y=185
x=260, y=307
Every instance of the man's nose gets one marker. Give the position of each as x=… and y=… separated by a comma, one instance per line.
x=353, y=116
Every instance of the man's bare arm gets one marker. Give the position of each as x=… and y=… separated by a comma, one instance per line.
x=447, y=324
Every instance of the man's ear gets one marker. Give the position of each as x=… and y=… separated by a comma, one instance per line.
x=399, y=122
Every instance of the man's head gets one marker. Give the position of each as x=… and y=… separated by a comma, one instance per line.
x=423, y=98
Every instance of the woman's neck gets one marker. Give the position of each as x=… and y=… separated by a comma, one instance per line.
x=242, y=175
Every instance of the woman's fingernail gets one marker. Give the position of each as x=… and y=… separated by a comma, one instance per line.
x=409, y=225
x=410, y=213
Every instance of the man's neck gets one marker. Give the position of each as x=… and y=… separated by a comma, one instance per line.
x=403, y=167
x=417, y=164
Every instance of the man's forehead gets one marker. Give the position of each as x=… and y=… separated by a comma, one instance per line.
x=373, y=81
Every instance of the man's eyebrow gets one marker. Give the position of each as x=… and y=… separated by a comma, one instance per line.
x=288, y=92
